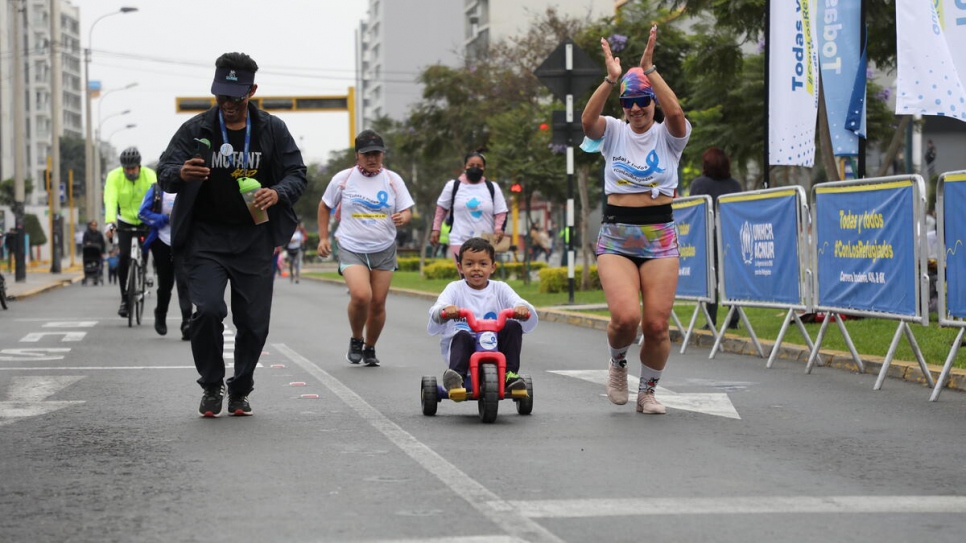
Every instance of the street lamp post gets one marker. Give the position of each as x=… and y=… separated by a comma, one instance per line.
x=97, y=145
x=122, y=129
x=93, y=186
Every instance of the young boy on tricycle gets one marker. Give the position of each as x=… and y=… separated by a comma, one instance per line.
x=485, y=298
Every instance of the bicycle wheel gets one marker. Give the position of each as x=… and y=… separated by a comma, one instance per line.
x=3, y=292
x=132, y=286
x=140, y=298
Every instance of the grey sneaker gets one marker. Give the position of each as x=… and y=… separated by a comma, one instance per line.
x=617, y=384
x=354, y=356
x=452, y=379
x=211, y=401
x=369, y=356
x=647, y=403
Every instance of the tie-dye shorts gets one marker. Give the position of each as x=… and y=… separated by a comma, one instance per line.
x=639, y=242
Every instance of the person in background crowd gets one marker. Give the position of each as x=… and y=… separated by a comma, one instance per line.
x=715, y=181
x=474, y=204
x=156, y=213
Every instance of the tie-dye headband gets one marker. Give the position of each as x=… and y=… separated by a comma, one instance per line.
x=635, y=83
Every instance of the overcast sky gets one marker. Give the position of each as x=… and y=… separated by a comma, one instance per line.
x=169, y=47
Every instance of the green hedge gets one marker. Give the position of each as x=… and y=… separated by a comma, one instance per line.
x=439, y=269
x=555, y=279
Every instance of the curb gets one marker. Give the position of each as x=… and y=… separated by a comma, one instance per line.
x=44, y=288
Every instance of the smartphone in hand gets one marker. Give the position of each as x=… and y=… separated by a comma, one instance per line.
x=202, y=149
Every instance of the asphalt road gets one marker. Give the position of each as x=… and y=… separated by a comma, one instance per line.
x=100, y=441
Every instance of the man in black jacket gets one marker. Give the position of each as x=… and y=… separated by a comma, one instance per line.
x=215, y=235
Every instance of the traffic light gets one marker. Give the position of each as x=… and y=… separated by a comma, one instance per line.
x=516, y=187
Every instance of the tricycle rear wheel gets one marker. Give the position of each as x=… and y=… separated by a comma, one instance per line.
x=525, y=405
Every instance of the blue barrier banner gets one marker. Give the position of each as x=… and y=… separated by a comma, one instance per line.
x=865, y=247
x=691, y=219
x=954, y=232
x=760, y=253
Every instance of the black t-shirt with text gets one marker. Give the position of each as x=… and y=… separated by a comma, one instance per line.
x=219, y=201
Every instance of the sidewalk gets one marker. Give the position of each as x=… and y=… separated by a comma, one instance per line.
x=41, y=280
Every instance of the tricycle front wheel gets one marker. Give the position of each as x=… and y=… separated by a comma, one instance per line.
x=489, y=400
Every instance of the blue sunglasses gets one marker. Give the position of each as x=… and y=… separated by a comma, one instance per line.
x=640, y=101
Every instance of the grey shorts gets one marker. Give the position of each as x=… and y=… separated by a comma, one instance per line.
x=382, y=260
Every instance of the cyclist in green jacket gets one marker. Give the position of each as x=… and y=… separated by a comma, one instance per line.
x=124, y=190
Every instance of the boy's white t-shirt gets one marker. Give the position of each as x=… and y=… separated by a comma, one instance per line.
x=473, y=209
x=641, y=162
x=368, y=204
x=484, y=303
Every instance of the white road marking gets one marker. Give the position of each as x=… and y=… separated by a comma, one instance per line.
x=468, y=539
x=70, y=324
x=710, y=403
x=34, y=337
x=27, y=396
x=500, y=512
x=732, y=505
x=32, y=354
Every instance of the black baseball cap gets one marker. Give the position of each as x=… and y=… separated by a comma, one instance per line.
x=368, y=141
x=232, y=82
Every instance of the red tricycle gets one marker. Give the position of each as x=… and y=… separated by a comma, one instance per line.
x=487, y=373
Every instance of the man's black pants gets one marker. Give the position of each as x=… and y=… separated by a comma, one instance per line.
x=215, y=256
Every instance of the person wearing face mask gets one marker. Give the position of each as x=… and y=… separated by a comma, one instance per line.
x=124, y=190
x=473, y=205
x=637, y=248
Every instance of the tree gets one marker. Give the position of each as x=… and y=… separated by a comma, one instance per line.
x=729, y=105
x=31, y=225
x=7, y=189
x=72, y=158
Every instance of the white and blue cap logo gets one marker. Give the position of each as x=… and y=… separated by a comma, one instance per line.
x=488, y=341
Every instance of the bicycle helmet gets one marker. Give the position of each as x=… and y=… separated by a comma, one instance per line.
x=130, y=157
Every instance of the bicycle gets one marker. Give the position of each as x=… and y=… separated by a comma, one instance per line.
x=136, y=280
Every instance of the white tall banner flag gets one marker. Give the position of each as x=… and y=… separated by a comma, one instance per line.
x=931, y=41
x=792, y=83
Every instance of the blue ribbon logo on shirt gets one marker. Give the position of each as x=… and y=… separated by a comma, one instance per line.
x=653, y=162
x=383, y=198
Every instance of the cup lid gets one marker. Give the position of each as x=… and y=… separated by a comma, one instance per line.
x=248, y=184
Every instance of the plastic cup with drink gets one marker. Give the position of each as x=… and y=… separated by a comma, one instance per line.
x=248, y=187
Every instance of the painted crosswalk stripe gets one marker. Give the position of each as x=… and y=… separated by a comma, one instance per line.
x=731, y=505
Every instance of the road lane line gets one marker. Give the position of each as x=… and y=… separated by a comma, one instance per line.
x=466, y=539
x=502, y=513
x=731, y=505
